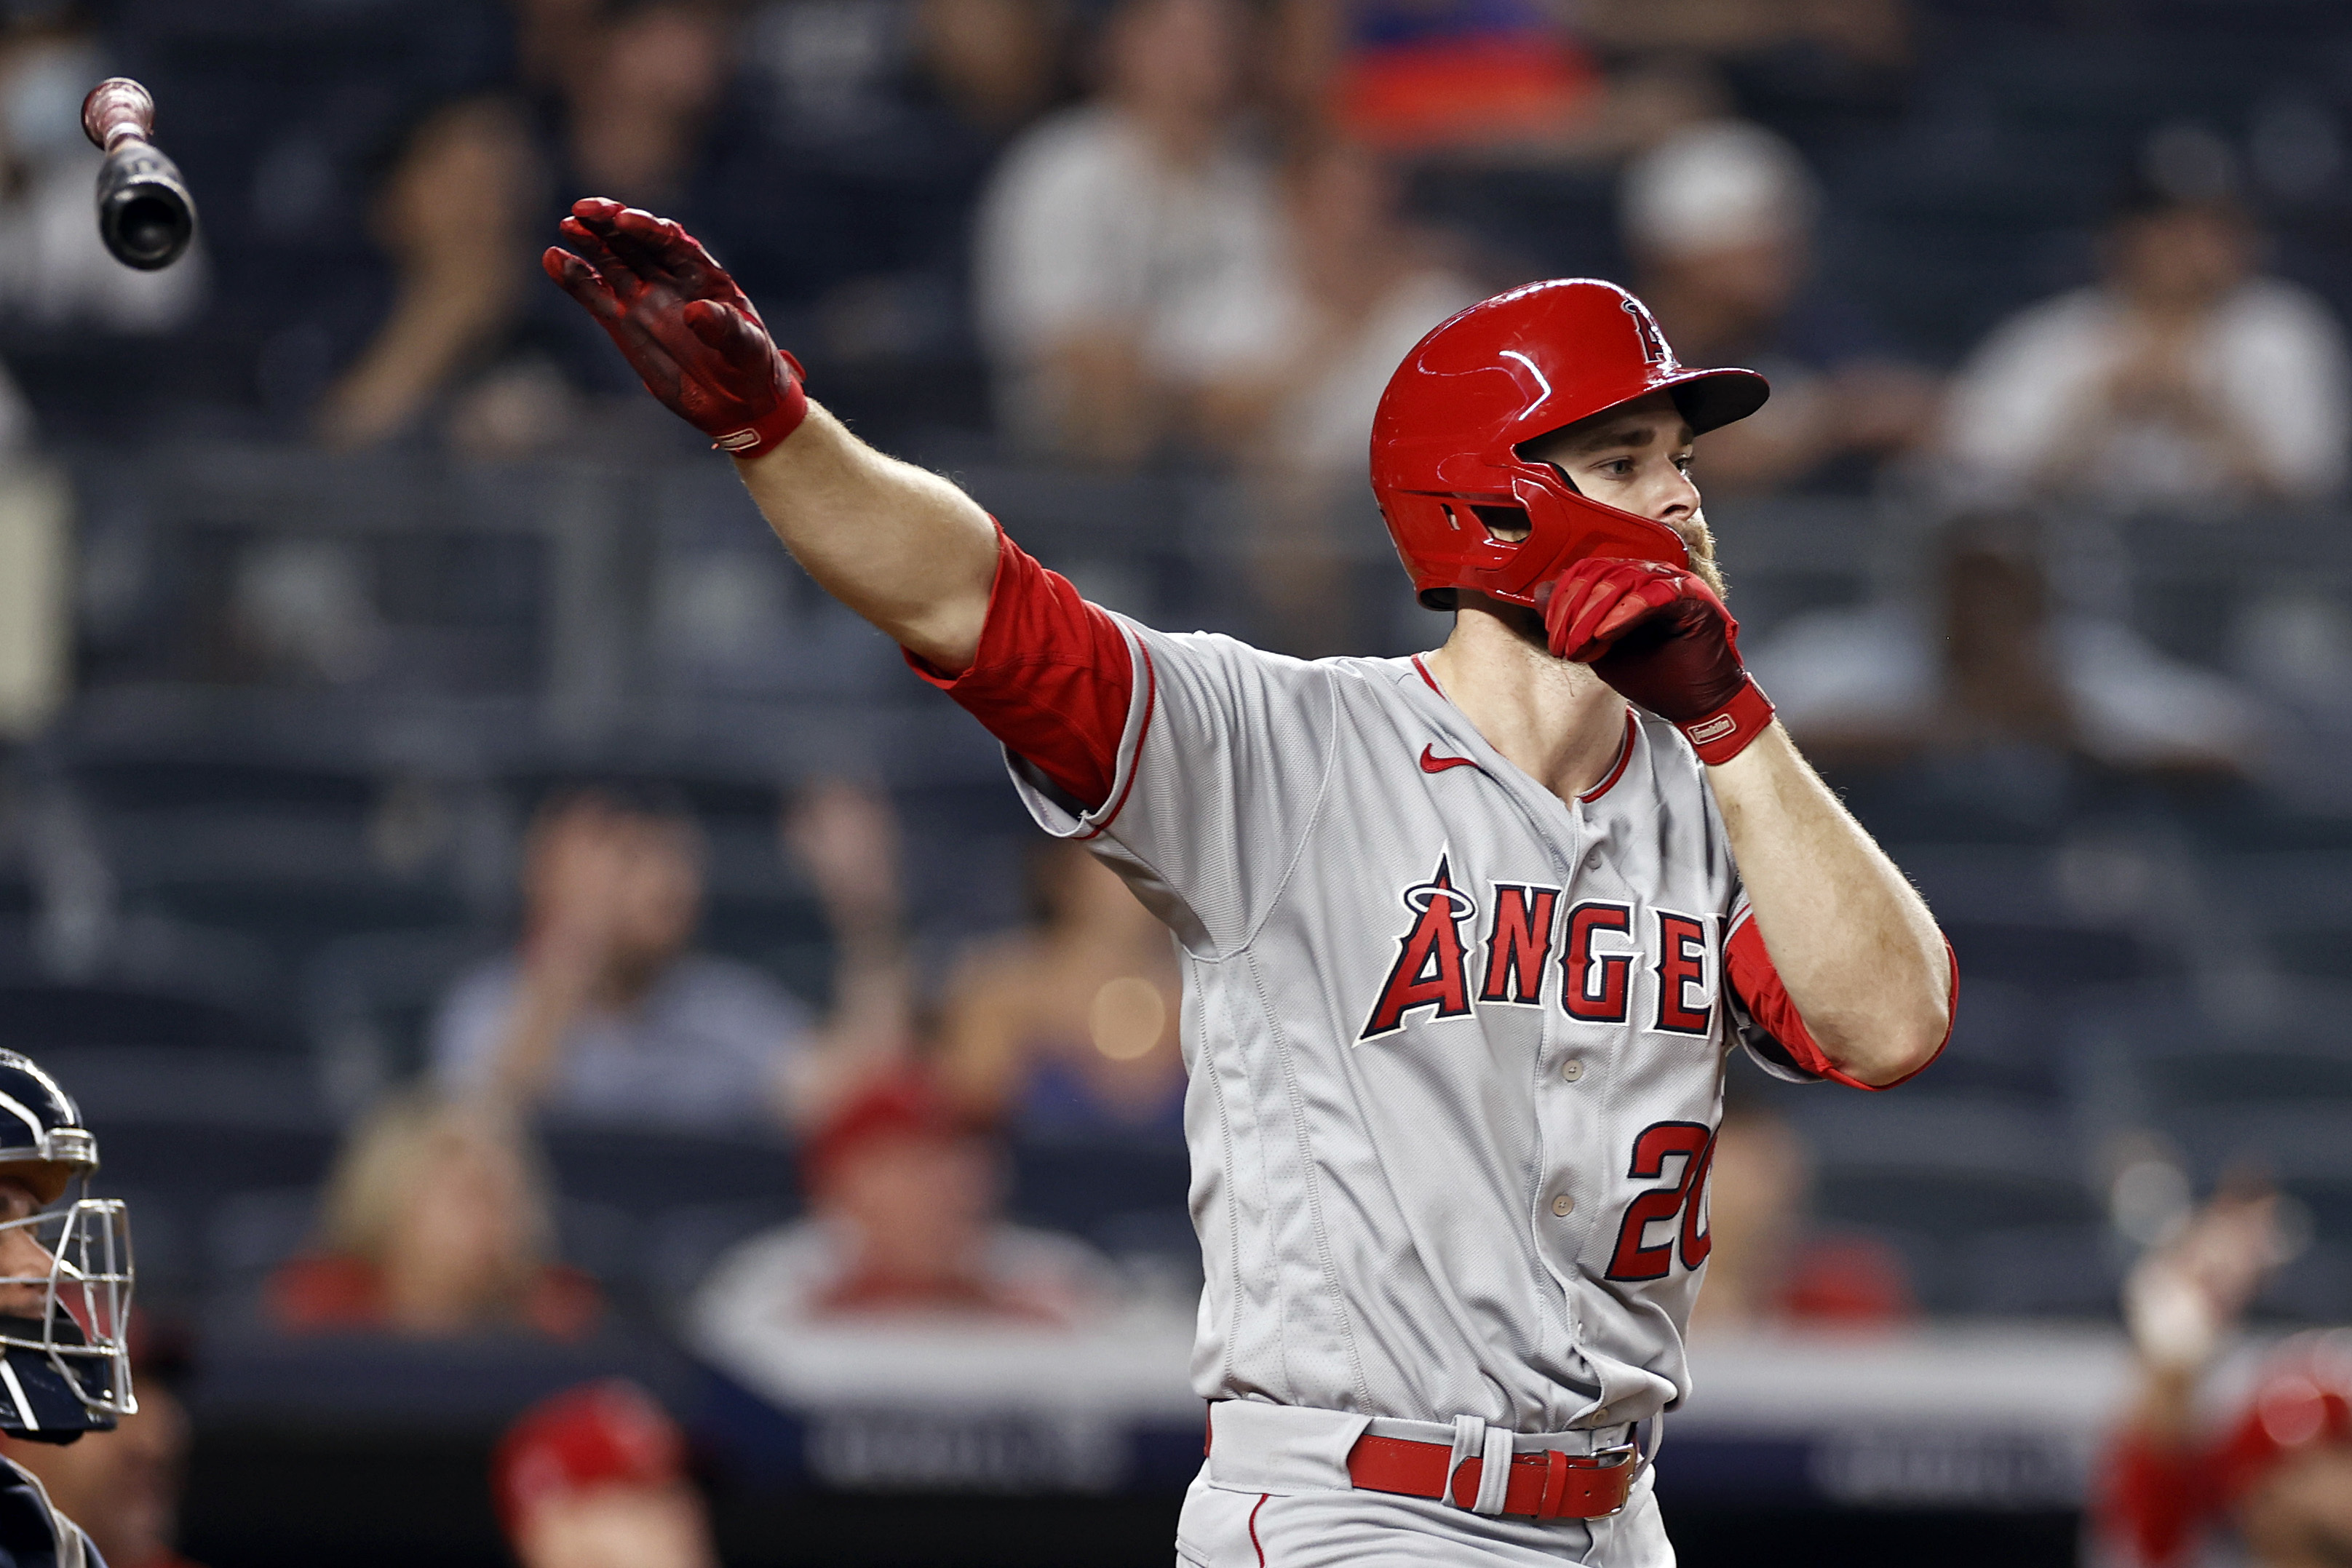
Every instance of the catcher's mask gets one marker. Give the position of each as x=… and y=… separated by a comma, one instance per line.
x=65, y=1364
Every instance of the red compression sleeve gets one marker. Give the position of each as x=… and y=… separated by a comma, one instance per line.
x=1748, y=966
x=1052, y=679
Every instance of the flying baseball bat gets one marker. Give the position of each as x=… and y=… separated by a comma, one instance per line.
x=145, y=214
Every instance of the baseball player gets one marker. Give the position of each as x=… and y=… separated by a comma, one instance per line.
x=65, y=1305
x=1466, y=937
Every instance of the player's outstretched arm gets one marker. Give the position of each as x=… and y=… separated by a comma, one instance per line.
x=904, y=549
x=1854, y=945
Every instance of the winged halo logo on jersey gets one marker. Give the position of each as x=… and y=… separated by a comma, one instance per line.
x=1432, y=967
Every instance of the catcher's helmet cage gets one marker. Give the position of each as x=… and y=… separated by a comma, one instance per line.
x=1507, y=370
x=64, y=1365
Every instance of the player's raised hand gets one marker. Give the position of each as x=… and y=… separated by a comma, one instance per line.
x=686, y=328
x=1659, y=635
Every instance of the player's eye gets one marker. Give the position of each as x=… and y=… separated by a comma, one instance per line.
x=1683, y=462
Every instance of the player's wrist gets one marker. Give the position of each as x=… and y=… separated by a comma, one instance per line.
x=768, y=431
x=1730, y=728
x=765, y=434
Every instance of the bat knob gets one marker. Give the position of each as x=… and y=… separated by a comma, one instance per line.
x=118, y=109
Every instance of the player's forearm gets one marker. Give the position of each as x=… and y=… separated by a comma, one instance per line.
x=903, y=548
x=1860, y=956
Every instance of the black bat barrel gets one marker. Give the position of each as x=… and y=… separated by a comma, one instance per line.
x=144, y=213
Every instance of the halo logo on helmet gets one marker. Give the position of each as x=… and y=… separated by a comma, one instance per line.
x=1446, y=464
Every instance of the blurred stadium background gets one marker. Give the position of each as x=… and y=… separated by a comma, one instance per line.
x=326, y=556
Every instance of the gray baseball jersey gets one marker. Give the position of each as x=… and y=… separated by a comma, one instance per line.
x=1455, y=1044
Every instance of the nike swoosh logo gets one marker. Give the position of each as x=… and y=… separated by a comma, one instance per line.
x=1433, y=763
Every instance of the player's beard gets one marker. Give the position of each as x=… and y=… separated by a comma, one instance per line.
x=1699, y=540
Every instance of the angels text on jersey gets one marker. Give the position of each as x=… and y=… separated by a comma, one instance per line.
x=1598, y=961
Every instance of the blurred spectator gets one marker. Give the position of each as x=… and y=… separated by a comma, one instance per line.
x=1423, y=75
x=605, y=1013
x=2279, y=1475
x=1365, y=286
x=1070, y=1027
x=906, y=1221
x=994, y=61
x=1128, y=249
x=845, y=836
x=550, y=38
x=845, y=72
x=1770, y=1264
x=1801, y=58
x=123, y=1487
x=1991, y=660
x=454, y=214
x=1837, y=77
x=470, y=344
x=2180, y=377
x=870, y=127
x=1719, y=219
x=639, y=93
x=595, y=1478
x=435, y=1223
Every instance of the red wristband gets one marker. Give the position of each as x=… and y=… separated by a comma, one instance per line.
x=770, y=428
x=1720, y=736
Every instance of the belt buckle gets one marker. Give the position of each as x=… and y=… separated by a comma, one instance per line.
x=1556, y=1489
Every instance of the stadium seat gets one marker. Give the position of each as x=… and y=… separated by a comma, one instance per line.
x=368, y=1002
x=1965, y=1190
x=1096, y=1186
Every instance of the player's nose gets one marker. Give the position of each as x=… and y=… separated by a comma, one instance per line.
x=1676, y=495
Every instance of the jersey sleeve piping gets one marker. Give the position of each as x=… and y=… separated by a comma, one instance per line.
x=1131, y=743
x=1752, y=975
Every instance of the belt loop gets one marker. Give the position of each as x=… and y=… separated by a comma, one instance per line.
x=1469, y=1443
x=1555, y=1487
x=1495, y=1472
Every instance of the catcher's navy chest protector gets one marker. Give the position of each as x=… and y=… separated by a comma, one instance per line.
x=31, y=1533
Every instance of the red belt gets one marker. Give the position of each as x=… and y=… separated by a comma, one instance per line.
x=1546, y=1484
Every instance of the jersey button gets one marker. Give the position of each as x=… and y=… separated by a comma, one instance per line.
x=1563, y=1205
x=1571, y=1070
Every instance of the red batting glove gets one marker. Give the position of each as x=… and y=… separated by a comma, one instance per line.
x=683, y=325
x=1660, y=636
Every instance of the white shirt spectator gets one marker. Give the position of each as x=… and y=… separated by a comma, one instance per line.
x=1326, y=424
x=1084, y=229
x=708, y=1046
x=2270, y=357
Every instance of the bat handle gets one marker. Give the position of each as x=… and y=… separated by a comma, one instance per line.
x=118, y=109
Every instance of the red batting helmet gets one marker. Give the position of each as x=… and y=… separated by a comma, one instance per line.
x=1445, y=443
